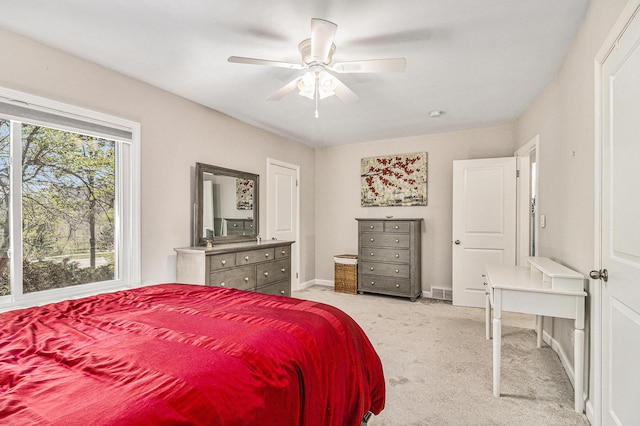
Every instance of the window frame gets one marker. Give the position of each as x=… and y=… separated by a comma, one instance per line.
x=127, y=203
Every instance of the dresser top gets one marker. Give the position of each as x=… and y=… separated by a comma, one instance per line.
x=390, y=218
x=233, y=247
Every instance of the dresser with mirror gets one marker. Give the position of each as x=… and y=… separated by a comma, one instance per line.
x=227, y=251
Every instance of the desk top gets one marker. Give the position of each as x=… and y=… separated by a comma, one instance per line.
x=522, y=278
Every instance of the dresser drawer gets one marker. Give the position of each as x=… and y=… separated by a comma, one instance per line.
x=271, y=272
x=280, y=289
x=397, y=227
x=282, y=252
x=386, y=269
x=385, y=285
x=243, y=278
x=371, y=226
x=386, y=240
x=375, y=254
x=254, y=256
x=220, y=261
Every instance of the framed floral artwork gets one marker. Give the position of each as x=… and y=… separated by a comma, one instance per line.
x=394, y=180
x=244, y=194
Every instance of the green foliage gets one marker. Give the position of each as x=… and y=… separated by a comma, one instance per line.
x=47, y=275
x=68, y=197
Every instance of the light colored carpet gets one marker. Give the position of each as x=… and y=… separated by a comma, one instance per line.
x=438, y=365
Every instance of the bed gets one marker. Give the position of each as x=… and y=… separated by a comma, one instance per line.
x=186, y=354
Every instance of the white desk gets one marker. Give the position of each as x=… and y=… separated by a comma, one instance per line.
x=546, y=288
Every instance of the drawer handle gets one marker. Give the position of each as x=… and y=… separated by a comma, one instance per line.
x=246, y=279
x=246, y=258
x=373, y=282
x=266, y=255
x=250, y=225
x=397, y=255
x=372, y=268
x=371, y=253
x=222, y=284
x=397, y=271
x=235, y=225
x=397, y=240
x=224, y=262
x=397, y=227
x=371, y=226
x=284, y=252
x=372, y=239
x=283, y=270
x=397, y=285
x=266, y=274
x=282, y=292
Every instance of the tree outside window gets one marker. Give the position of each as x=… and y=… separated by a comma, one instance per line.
x=68, y=197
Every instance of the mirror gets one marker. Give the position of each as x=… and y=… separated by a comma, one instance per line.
x=226, y=205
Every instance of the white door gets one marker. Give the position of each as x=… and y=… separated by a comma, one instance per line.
x=282, y=210
x=484, y=223
x=620, y=231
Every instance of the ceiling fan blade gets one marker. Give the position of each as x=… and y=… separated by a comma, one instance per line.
x=285, y=90
x=343, y=93
x=254, y=61
x=322, y=35
x=372, y=65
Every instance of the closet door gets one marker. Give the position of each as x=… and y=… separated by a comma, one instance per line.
x=484, y=223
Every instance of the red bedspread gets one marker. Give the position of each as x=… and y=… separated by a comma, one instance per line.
x=180, y=354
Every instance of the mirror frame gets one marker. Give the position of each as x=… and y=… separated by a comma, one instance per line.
x=202, y=168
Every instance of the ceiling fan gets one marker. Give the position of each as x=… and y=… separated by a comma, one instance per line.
x=318, y=82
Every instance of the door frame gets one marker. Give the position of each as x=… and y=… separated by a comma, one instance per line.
x=594, y=408
x=295, y=261
x=523, y=204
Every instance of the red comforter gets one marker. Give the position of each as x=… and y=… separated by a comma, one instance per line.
x=181, y=354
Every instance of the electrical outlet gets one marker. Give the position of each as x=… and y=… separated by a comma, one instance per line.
x=543, y=221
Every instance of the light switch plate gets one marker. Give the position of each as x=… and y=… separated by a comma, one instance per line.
x=543, y=221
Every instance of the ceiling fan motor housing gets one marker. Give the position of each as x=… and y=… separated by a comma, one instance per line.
x=305, y=51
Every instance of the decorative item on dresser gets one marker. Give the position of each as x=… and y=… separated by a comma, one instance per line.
x=389, y=257
x=264, y=267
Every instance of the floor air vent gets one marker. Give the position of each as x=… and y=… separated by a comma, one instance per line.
x=441, y=293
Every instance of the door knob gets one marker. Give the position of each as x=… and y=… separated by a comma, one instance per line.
x=456, y=242
x=602, y=274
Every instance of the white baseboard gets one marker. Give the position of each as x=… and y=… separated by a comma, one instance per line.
x=549, y=340
x=590, y=410
x=568, y=367
x=307, y=284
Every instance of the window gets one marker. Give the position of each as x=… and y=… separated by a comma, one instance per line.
x=68, y=201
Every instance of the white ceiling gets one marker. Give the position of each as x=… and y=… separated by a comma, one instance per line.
x=481, y=61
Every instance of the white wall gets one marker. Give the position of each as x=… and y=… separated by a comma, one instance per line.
x=175, y=133
x=564, y=116
x=338, y=194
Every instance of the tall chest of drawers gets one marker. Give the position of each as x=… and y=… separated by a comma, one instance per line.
x=262, y=267
x=389, y=257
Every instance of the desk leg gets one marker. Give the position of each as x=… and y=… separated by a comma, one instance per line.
x=497, y=340
x=487, y=318
x=578, y=372
x=539, y=330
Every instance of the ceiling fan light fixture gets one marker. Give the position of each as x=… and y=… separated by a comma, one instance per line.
x=325, y=81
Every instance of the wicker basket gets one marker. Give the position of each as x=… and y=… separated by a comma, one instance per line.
x=346, y=273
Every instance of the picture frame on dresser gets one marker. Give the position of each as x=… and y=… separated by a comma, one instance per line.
x=389, y=253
